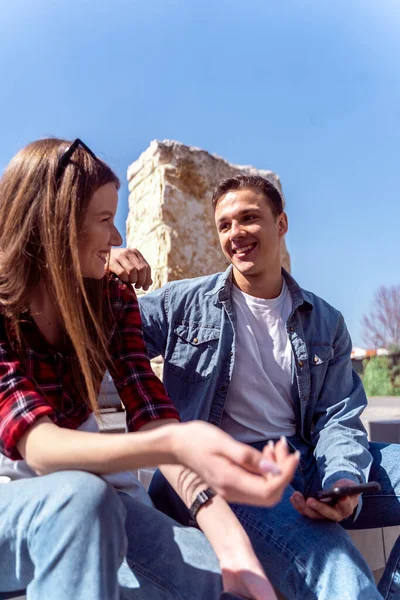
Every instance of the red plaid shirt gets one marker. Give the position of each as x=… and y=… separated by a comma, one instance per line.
x=46, y=385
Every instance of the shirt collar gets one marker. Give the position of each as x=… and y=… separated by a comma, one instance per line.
x=301, y=298
x=223, y=285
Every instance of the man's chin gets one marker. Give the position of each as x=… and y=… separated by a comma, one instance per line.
x=245, y=269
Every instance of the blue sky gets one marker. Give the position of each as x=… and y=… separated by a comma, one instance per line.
x=309, y=89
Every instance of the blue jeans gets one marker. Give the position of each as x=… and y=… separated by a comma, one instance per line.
x=316, y=560
x=71, y=535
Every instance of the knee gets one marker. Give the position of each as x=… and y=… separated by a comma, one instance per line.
x=76, y=514
x=83, y=496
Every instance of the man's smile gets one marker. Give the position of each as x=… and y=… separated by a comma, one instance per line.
x=243, y=251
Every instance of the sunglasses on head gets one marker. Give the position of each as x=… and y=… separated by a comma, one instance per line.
x=66, y=156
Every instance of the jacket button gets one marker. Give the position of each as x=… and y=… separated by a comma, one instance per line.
x=291, y=329
x=222, y=388
x=301, y=363
x=195, y=341
x=305, y=398
x=316, y=359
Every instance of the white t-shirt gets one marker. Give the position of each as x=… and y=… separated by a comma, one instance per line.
x=258, y=404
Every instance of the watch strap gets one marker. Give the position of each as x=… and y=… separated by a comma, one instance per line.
x=201, y=499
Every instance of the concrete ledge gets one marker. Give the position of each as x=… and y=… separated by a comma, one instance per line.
x=375, y=544
x=387, y=431
x=112, y=420
x=371, y=545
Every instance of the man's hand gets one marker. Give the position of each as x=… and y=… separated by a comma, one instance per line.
x=131, y=267
x=237, y=472
x=314, y=509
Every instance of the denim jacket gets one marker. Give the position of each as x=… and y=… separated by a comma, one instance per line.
x=191, y=323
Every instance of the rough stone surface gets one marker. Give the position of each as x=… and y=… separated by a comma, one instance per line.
x=170, y=215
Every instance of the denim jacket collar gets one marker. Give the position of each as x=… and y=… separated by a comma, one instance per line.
x=300, y=297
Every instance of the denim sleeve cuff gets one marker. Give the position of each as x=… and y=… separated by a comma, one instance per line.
x=358, y=509
x=330, y=481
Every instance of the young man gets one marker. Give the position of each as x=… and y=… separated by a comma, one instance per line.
x=253, y=353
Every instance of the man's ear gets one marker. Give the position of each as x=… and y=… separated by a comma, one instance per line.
x=283, y=224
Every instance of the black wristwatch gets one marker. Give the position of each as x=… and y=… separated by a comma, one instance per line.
x=201, y=499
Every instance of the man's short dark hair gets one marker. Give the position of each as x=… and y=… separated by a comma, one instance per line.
x=249, y=182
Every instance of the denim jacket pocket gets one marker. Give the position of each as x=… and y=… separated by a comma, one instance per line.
x=194, y=354
x=318, y=358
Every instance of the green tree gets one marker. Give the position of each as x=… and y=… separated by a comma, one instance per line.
x=394, y=368
x=376, y=377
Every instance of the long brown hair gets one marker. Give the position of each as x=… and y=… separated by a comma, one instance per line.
x=40, y=221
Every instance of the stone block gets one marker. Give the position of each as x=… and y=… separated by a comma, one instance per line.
x=170, y=214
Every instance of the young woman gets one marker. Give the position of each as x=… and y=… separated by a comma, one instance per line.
x=73, y=523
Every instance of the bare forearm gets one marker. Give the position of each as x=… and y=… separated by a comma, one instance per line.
x=47, y=448
x=224, y=531
x=216, y=518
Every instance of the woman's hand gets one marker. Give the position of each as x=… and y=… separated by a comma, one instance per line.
x=131, y=267
x=237, y=472
x=243, y=574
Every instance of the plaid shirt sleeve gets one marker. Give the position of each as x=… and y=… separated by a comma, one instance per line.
x=21, y=405
x=140, y=390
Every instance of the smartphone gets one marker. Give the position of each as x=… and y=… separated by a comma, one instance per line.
x=332, y=495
